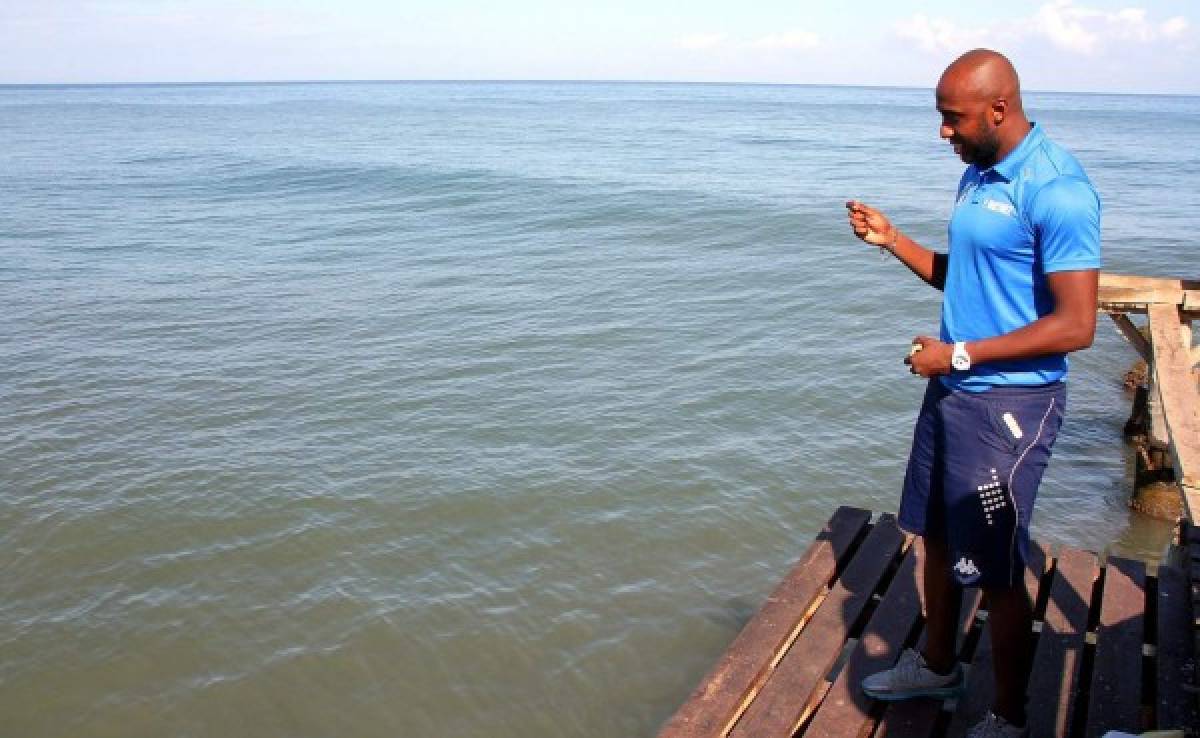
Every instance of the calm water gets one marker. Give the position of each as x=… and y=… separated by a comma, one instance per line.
x=474, y=409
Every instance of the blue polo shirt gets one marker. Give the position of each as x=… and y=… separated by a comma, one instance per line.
x=1033, y=213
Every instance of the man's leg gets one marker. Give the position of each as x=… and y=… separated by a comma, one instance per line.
x=1000, y=444
x=943, y=598
x=935, y=673
x=1010, y=620
x=922, y=510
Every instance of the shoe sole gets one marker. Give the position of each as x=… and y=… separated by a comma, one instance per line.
x=939, y=692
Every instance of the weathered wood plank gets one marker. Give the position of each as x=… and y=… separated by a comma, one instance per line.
x=844, y=711
x=1054, y=681
x=981, y=679
x=1177, y=387
x=1137, y=298
x=1130, y=332
x=784, y=699
x=1119, y=293
x=716, y=703
x=1138, y=293
x=1175, y=707
x=1114, y=703
x=1191, y=497
x=1190, y=302
x=1134, y=281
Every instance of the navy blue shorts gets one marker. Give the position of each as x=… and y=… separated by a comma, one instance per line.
x=977, y=459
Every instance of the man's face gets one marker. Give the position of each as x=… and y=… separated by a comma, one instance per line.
x=968, y=124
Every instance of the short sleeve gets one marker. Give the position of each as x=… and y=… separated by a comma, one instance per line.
x=1066, y=219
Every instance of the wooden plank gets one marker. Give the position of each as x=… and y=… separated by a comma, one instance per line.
x=1137, y=298
x=1132, y=334
x=1115, y=700
x=1109, y=280
x=1175, y=707
x=1177, y=388
x=981, y=679
x=844, y=711
x=740, y=672
x=1191, y=300
x=1054, y=682
x=784, y=699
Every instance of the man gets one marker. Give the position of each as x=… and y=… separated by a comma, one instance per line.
x=1020, y=284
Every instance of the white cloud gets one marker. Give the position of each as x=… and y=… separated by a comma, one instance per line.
x=1064, y=25
x=938, y=35
x=1079, y=29
x=1174, y=27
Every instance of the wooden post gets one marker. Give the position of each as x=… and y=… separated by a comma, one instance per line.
x=1171, y=339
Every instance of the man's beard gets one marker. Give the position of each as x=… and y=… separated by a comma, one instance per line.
x=983, y=152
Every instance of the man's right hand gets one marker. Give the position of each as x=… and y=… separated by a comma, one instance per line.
x=870, y=225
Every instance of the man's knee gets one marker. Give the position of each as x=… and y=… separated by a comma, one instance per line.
x=935, y=547
x=942, y=590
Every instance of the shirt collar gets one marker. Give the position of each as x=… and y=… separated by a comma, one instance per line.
x=1007, y=167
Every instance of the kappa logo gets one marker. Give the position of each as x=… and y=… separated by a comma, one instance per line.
x=1003, y=208
x=966, y=567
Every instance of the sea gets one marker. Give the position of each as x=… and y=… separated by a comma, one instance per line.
x=465, y=409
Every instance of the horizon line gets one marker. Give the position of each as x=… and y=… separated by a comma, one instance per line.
x=283, y=82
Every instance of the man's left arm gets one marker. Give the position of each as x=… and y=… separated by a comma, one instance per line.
x=1071, y=326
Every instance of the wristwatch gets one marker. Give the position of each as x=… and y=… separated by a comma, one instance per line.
x=960, y=359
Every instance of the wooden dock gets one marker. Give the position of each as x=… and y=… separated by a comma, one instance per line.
x=1114, y=647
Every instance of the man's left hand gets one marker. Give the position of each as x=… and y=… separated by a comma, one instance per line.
x=933, y=358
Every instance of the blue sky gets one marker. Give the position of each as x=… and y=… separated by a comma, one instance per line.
x=1090, y=45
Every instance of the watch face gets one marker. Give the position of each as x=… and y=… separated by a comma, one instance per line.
x=961, y=363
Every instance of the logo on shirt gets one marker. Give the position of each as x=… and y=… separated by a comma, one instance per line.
x=1003, y=208
x=966, y=567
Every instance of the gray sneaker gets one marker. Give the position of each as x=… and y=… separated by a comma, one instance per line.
x=994, y=726
x=910, y=678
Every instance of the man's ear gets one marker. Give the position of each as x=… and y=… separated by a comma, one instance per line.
x=999, y=110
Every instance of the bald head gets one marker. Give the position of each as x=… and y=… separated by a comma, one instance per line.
x=979, y=97
x=984, y=75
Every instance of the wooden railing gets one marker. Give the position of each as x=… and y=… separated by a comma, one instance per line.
x=1170, y=306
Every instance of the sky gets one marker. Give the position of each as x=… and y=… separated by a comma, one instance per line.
x=1139, y=46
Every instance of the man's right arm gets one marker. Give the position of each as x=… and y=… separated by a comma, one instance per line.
x=926, y=264
x=874, y=228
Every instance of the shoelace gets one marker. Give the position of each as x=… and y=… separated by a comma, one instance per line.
x=909, y=668
x=992, y=725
